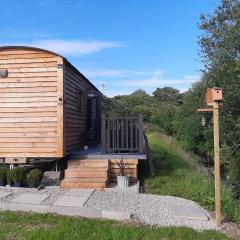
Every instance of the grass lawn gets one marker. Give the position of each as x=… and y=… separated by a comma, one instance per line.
x=179, y=173
x=20, y=226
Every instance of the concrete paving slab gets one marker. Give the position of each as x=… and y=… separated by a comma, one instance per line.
x=71, y=201
x=194, y=213
x=80, y=192
x=77, y=211
x=4, y=194
x=116, y=215
x=26, y=207
x=28, y=198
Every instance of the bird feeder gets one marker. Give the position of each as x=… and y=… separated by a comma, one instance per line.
x=213, y=94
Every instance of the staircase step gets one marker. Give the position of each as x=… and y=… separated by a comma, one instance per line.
x=100, y=186
x=86, y=180
x=88, y=163
x=81, y=173
x=87, y=169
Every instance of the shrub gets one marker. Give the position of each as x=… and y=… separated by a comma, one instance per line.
x=17, y=175
x=34, y=177
x=3, y=176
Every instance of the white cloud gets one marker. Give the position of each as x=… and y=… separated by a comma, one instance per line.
x=112, y=73
x=156, y=80
x=71, y=47
x=118, y=86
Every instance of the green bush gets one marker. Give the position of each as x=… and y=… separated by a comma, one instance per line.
x=3, y=175
x=17, y=175
x=34, y=177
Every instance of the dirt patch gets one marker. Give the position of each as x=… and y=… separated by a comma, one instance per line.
x=231, y=229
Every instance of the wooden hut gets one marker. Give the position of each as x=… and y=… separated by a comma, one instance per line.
x=49, y=110
x=47, y=107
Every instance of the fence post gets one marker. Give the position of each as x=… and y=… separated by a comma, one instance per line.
x=140, y=134
x=103, y=133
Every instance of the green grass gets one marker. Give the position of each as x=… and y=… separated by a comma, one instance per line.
x=20, y=226
x=179, y=173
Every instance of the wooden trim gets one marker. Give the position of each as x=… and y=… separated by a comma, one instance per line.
x=60, y=118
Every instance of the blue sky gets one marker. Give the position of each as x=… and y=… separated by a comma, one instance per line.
x=120, y=46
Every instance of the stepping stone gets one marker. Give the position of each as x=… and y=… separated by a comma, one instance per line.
x=4, y=194
x=71, y=201
x=80, y=192
x=27, y=198
x=194, y=213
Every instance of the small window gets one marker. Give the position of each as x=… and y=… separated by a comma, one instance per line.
x=80, y=99
x=3, y=73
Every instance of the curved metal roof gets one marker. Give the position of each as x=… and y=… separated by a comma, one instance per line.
x=30, y=48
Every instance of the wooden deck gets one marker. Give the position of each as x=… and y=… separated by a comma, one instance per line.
x=93, y=169
x=98, y=153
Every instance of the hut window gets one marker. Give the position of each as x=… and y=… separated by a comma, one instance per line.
x=80, y=99
x=3, y=73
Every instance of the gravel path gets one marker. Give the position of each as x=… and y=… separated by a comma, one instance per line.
x=148, y=209
x=153, y=210
x=54, y=193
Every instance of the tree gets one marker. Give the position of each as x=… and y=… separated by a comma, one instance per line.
x=168, y=95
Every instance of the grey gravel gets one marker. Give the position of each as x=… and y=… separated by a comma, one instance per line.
x=54, y=193
x=153, y=210
x=147, y=209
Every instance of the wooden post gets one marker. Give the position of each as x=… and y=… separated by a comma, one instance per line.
x=217, y=163
x=140, y=133
x=103, y=133
x=213, y=96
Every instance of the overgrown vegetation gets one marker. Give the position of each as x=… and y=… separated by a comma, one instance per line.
x=34, y=177
x=179, y=173
x=40, y=226
x=175, y=112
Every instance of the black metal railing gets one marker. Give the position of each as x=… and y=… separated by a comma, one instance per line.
x=122, y=135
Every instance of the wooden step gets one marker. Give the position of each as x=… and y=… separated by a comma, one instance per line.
x=100, y=186
x=81, y=173
x=88, y=163
x=88, y=169
x=86, y=180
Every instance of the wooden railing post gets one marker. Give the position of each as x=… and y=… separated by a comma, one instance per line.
x=103, y=133
x=140, y=134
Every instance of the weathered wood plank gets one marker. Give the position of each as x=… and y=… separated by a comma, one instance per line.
x=22, y=130
x=33, y=70
x=28, y=119
x=28, y=85
x=28, y=109
x=29, y=104
x=27, y=95
x=28, y=134
x=28, y=140
x=33, y=74
x=28, y=145
x=28, y=125
x=29, y=64
x=30, y=99
x=26, y=56
x=19, y=52
x=28, y=114
x=33, y=79
x=29, y=154
x=30, y=60
x=28, y=90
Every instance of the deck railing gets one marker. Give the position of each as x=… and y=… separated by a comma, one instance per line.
x=122, y=135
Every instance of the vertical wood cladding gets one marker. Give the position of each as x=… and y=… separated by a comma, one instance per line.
x=76, y=90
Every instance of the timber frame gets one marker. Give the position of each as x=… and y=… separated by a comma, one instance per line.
x=39, y=116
